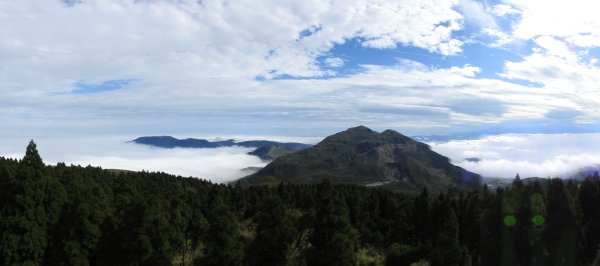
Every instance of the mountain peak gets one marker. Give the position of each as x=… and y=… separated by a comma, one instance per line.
x=360, y=128
x=360, y=155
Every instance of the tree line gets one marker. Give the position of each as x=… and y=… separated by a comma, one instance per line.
x=73, y=215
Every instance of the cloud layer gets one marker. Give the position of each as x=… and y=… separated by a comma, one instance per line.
x=218, y=165
x=541, y=155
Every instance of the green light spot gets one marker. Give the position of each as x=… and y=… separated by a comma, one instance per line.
x=538, y=220
x=510, y=220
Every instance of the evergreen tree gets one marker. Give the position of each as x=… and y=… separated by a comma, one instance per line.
x=275, y=233
x=32, y=157
x=523, y=230
x=334, y=241
x=223, y=244
x=491, y=231
x=589, y=196
x=421, y=217
x=24, y=220
x=447, y=250
x=560, y=233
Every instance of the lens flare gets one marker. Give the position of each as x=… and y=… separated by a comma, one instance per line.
x=510, y=220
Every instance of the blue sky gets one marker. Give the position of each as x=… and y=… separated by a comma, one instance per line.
x=307, y=68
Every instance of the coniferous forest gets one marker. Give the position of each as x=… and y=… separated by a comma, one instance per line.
x=72, y=215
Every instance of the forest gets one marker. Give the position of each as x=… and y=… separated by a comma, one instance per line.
x=73, y=215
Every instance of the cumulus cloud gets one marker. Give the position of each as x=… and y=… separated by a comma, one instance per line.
x=476, y=12
x=99, y=40
x=563, y=76
x=334, y=62
x=576, y=21
x=503, y=10
x=541, y=155
x=207, y=67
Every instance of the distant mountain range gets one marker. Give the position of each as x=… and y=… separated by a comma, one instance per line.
x=265, y=149
x=360, y=155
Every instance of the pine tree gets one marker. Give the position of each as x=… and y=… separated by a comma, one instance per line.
x=590, y=210
x=334, y=241
x=223, y=245
x=421, y=217
x=560, y=232
x=522, y=233
x=25, y=222
x=447, y=250
x=491, y=231
x=32, y=157
x=275, y=232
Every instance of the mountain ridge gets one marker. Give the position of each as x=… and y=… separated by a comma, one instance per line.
x=360, y=155
x=266, y=150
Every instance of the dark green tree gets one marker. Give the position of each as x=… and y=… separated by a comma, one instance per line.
x=491, y=231
x=334, y=241
x=223, y=243
x=560, y=233
x=275, y=233
x=24, y=220
x=523, y=230
x=447, y=249
x=32, y=157
x=589, y=196
x=421, y=217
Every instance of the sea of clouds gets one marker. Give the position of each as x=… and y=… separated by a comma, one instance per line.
x=217, y=164
x=542, y=155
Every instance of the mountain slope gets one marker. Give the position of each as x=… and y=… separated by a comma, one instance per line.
x=271, y=152
x=360, y=155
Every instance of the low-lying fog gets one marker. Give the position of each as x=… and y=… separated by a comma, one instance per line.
x=541, y=155
x=499, y=156
x=218, y=165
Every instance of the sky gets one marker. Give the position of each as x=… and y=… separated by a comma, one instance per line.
x=79, y=68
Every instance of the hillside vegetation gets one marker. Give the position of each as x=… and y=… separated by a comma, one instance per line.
x=362, y=156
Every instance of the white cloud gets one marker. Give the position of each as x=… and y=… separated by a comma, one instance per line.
x=557, y=48
x=476, y=12
x=440, y=100
x=503, y=10
x=552, y=155
x=217, y=165
x=566, y=79
x=334, y=62
x=50, y=45
x=501, y=155
x=484, y=20
x=501, y=38
x=194, y=67
x=192, y=62
x=574, y=20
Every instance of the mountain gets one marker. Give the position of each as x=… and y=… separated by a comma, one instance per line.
x=171, y=142
x=360, y=155
x=271, y=152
